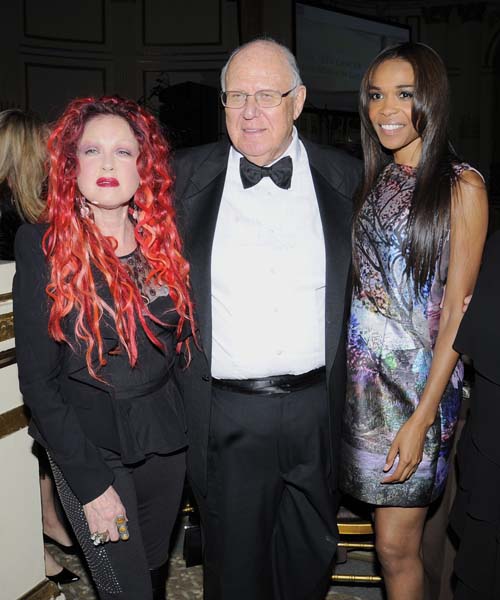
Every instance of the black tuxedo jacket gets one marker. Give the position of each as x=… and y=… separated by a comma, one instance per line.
x=200, y=174
x=73, y=414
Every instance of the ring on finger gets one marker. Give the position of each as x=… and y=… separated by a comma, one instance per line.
x=121, y=525
x=100, y=537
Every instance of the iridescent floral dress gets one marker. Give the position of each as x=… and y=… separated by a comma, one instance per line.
x=392, y=332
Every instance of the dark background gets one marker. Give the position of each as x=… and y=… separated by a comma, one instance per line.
x=168, y=54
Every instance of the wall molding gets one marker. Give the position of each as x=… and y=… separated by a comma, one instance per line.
x=98, y=87
x=7, y=358
x=47, y=590
x=6, y=326
x=13, y=420
x=187, y=41
x=100, y=41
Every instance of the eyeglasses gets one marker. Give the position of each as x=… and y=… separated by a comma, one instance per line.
x=263, y=98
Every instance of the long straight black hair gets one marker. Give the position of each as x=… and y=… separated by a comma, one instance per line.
x=429, y=217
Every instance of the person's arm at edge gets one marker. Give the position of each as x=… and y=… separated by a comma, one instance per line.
x=39, y=360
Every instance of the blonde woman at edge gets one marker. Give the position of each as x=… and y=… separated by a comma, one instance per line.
x=22, y=174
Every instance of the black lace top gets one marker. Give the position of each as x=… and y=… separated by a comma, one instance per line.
x=147, y=405
x=138, y=268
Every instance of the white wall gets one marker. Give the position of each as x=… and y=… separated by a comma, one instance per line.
x=21, y=545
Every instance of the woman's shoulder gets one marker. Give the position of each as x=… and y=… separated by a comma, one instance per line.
x=29, y=238
x=28, y=231
x=466, y=172
x=32, y=230
x=469, y=198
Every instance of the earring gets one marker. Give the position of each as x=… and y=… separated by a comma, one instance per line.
x=135, y=212
x=83, y=207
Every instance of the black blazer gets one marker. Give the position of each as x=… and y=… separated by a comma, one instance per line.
x=200, y=175
x=73, y=414
x=478, y=337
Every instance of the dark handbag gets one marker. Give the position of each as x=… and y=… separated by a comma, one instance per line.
x=191, y=550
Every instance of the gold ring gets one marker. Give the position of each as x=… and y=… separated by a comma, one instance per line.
x=121, y=525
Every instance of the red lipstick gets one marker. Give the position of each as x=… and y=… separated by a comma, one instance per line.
x=107, y=182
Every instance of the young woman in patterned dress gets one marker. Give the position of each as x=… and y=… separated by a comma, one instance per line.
x=419, y=225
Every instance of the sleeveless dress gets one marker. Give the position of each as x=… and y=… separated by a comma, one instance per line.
x=391, y=336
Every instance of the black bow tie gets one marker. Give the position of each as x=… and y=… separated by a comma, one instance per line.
x=280, y=173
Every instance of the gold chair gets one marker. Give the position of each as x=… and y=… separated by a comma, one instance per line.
x=350, y=525
x=355, y=526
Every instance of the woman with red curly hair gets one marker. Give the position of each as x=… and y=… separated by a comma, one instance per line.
x=101, y=300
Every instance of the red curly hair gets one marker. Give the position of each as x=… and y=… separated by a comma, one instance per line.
x=74, y=244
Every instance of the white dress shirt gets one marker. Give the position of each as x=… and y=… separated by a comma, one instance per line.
x=268, y=275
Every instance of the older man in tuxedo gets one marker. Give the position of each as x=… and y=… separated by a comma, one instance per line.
x=266, y=226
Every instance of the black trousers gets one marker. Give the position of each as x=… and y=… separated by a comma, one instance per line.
x=268, y=518
x=151, y=493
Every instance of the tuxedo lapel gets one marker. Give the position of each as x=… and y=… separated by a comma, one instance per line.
x=335, y=211
x=199, y=206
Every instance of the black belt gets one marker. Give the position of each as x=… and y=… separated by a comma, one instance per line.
x=276, y=384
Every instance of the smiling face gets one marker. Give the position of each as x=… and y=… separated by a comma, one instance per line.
x=107, y=159
x=391, y=93
x=262, y=134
